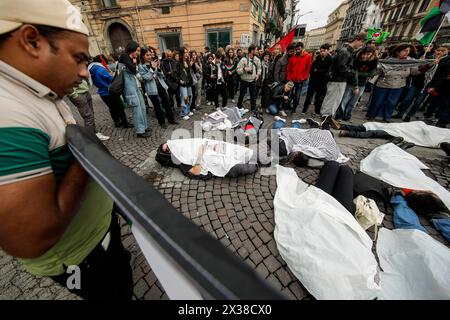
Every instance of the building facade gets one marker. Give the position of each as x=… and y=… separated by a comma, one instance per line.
x=315, y=38
x=171, y=24
x=402, y=17
x=335, y=23
x=355, y=19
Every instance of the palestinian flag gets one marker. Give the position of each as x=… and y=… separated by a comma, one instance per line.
x=377, y=34
x=432, y=21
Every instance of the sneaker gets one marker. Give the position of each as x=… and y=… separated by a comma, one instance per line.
x=208, y=103
x=191, y=114
x=232, y=100
x=101, y=137
x=186, y=118
x=277, y=118
x=127, y=125
x=218, y=109
x=267, y=110
x=301, y=121
x=313, y=123
x=326, y=123
x=283, y=113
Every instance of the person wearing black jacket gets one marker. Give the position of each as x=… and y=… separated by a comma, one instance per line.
x=280, y=97
x=217, y=76
x=318, y=79
x=342, y=69
x=184, y=80
x=168, y=66
x=439, y=87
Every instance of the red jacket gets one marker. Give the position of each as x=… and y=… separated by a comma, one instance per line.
x=298, y=67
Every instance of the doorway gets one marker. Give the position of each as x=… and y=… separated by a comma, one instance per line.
x=119, y=36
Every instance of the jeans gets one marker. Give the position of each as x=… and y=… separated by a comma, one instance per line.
x=279, y=124
x=276, y=106
x=383, y=102
x=186, y=97
x=140, y=116
x=251, y=86
x=337, y=181
x=361, y=132
x=84, y=105
x=105, y=275
x=296, y=93
x=404, y=216
x=349, y=102
x=411, y=95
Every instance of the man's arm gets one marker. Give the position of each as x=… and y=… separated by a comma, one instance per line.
x=36, y=212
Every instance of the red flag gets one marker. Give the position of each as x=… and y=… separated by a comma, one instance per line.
x=285, y=41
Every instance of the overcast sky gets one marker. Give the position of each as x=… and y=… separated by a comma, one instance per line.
x=320, y=11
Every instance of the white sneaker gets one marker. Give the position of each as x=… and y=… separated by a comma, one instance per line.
x=232, y=100
x=218, y=109
x=186, y=118
x=301, y=121
x=190, y=114
x=101, y=137
x=208, y=103
x=283, y=113
x=277, y=118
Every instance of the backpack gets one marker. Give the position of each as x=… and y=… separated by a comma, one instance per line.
x=117, y=84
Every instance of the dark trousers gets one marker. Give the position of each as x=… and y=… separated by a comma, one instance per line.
x=231, y=87
x=115, y=109
x=221, y=89
x=361, y=132
x=251, y=86
x=337, y=181
x=172, y=94
x=443, y=113
x=105, y=275
x=84, y=105
x=296, y=94
x=320, y=90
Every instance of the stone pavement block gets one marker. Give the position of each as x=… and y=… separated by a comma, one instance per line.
x=261, y=269
x=288, y=294
x=273, y=281
x=256, y=257
x=272, y=264
x=153, y=294
x=251, y=233
x=268, y=227
x=283, y=276
x=243, y=252
x=298, y=291
x=265, y=237
x=264, y=251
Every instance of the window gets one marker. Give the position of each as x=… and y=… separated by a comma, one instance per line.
x=424, y=5
x=165, y=10
x=109, y=3
x=218, y=38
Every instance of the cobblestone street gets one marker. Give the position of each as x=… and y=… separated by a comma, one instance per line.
x=238, y=212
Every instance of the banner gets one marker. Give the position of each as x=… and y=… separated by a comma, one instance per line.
x=377, y=34
x=285, y=41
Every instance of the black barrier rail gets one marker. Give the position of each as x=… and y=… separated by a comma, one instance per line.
x=210, y=267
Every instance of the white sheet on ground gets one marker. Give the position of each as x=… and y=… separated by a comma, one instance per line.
x=219, y=157
x=416, y=132
x=415, y=265
x=400, y=169
x=323, y=245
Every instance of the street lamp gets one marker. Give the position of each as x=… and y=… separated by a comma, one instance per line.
x=302, y=15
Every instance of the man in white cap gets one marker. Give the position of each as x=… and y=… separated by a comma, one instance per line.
x=54, y=218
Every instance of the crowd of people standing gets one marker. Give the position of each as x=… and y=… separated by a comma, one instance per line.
x=404, y=77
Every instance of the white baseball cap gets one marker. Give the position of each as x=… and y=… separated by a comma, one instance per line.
x=53, y=13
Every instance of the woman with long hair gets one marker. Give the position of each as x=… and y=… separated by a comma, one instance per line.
x=197, y=71
x=231, y=67
x=390, y=84
x=155, y=86
x=183, y=74
x=132, y=92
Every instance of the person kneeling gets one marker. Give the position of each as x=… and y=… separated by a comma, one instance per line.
x=280, y=98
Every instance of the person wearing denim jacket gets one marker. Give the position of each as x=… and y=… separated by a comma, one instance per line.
x=184, y=78
x=155, y=86
x=132, y=92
